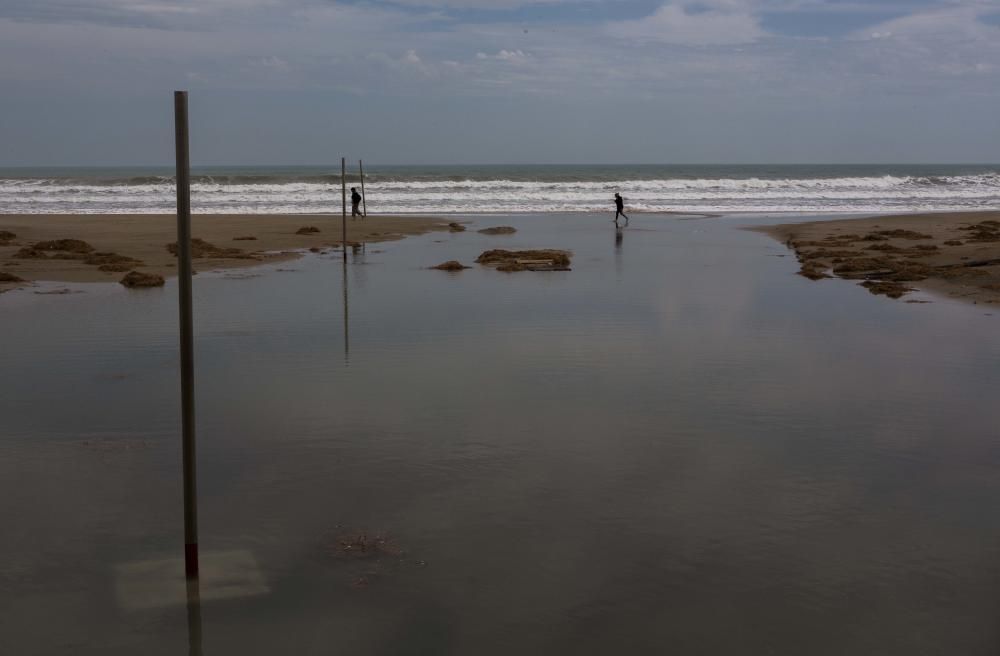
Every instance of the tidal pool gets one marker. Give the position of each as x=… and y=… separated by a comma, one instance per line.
x=679, y=446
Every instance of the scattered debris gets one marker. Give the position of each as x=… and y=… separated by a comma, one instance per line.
x=359, y=544
x=814, y=271
x=953, y=242
x=899, y=233
x=498, y=230
x=527, y=260
x=66, y=245
x=59, y=292
x=246, y=238
x=135, y=279
x=6, y=236
x=307, y=230
x=984, y=231
x=112, y=262
x=450, y=265
x=201, y=248
x=118, y=268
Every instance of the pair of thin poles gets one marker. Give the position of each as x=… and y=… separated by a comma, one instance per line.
x=186, y=319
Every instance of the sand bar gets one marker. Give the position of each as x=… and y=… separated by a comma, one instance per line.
x=954, y=254
x=144, y=237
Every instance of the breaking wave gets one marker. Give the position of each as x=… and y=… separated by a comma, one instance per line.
x=513, y=191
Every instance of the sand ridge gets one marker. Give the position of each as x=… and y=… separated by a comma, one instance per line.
x=142, y=241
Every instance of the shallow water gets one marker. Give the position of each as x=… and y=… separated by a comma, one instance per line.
x=679, y=446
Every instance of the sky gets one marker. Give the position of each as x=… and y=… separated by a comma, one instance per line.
x=90, y=82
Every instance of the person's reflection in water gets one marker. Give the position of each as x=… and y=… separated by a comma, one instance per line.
x=619, y=235
x=194, y=617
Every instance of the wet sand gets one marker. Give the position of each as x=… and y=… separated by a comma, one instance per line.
x=955, y=254
x=145, y=237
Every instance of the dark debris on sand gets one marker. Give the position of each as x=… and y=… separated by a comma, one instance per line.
x=546, y=259
x=9, y=277
x=134, y=279
x=450, y=265
x=201, y=248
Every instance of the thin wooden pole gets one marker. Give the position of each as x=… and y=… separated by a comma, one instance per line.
x=187, y=333
x=343, y=202
x=364, y=204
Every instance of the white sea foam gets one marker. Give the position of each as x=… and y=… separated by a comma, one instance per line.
x=261, y=194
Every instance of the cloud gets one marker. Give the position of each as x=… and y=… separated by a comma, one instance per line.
x=689, y=23
x=511, y=56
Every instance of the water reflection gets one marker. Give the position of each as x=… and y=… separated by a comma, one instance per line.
x=347, y=327
x=194, y=617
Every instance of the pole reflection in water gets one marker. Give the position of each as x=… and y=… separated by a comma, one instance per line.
x=194, y=617
x=347, y=345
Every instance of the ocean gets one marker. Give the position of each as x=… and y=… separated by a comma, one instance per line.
x=471, y=189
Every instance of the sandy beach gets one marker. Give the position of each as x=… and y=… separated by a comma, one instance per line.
x=956, y=254
x=122, y=242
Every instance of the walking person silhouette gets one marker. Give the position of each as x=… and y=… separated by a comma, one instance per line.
x=355, y=201
x=620, y=208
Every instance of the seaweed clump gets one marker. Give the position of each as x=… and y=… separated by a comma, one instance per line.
x=527, y=260
x=498, y=230
x=201, y=248
x=886, y=288
x=134, y=279
x=451, y=265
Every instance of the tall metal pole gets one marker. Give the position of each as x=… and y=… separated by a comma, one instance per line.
x=187, y=332
x=343, y=201
x=364, y=203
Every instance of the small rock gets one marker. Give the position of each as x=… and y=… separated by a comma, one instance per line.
x=307, y=230
x=456, y=227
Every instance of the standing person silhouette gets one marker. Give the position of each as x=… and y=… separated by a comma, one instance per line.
x=620, y=208
x=355, y=201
